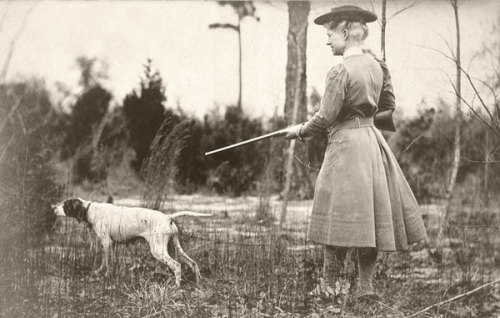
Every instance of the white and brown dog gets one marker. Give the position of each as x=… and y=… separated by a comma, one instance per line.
x=113, y=223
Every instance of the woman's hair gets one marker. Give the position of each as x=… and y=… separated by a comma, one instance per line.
x=357, y=30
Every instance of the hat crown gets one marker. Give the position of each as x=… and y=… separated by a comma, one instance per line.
x=350, y=12
x=346, y=8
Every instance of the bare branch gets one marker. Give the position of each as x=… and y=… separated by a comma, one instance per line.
x=6, y=147
x=489, y=87
x=411, y=5
x=4, y=15
x=492, y=128
x=373, y=10
x=45, y=120
x=13, y=43
x=452, y=55
x=21, y=122
x=371, y=4
x=480, y=161
x=477, y=93
x=435, y=51
x=410, y=144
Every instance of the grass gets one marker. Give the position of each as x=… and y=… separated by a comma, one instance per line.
x=248, y=270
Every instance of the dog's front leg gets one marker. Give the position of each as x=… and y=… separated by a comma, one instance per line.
x=109, y=259
x=106, y=246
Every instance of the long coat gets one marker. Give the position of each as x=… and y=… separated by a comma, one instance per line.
x=361, y=198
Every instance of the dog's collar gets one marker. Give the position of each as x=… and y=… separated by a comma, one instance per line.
x=88, y=206
x=85, y=216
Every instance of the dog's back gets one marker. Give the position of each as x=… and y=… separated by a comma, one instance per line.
x=123, y=223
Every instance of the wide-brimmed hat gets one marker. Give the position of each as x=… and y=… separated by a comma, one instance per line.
x=347, y=12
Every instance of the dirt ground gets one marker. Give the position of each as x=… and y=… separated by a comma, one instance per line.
x=251, y=268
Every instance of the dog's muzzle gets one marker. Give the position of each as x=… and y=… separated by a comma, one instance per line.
x=58, y=210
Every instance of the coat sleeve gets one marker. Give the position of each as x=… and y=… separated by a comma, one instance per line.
x=386, y=100
x=335, y=91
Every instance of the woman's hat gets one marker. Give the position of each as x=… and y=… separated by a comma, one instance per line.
x=348, y=12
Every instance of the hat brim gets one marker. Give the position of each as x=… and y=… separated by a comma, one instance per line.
x=357, y=15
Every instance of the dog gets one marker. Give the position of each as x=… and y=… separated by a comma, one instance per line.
x=112, y=223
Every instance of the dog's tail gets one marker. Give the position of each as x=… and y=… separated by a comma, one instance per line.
x=189, y=213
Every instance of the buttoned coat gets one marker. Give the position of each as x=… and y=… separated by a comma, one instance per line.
x=361, y=198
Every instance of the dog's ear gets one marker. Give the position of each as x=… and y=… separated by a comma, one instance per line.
x=74, y=208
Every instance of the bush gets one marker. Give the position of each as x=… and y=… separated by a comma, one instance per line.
x=28, y=137
x=423, y=146
x=235, y=171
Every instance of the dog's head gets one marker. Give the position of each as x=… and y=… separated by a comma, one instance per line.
x=74, y=208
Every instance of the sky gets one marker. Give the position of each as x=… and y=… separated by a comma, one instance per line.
x=200, y=65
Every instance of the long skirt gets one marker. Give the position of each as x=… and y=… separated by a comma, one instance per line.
x=362, y=198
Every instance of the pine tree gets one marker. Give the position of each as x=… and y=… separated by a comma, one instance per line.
x=145, y=112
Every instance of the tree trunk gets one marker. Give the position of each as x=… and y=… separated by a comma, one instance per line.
x=486, y=162
x=458, y=110
x=382, y=28
x=240, y=74
x=458, y=120
x=296, y=99
x=298, y=12
x=458, y=106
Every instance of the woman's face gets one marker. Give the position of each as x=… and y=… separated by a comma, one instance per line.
x=336, y=40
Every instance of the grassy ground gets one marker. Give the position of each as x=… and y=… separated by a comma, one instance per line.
x=250, y=268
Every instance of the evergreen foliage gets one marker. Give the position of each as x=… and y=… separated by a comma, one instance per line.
x=85, y=115
x=144, y=112
x=423, y=148
x=236, y=171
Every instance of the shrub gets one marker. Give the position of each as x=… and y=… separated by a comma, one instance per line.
x=27, y=141
x=423, y=146
x=235, y=171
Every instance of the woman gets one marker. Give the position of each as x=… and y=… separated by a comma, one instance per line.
x=362, y=199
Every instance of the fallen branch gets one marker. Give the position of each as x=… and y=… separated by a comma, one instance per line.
x=454, y=298
x=390, y=308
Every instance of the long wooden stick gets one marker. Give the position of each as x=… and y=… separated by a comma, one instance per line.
x=281, y=132
x=454, y=298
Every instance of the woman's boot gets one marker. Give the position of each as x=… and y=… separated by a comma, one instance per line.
x=333, y=264
x=367, y=258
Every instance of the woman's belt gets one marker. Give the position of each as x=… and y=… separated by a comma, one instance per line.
x=356, y=122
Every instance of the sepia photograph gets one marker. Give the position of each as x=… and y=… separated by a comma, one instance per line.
x=202, y=158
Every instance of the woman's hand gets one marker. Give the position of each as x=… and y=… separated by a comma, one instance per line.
x=293, y=132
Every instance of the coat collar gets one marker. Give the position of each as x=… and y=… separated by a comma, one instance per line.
x=354, y=50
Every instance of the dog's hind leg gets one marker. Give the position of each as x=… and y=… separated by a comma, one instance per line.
x=186, y=259
x=159, y=251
